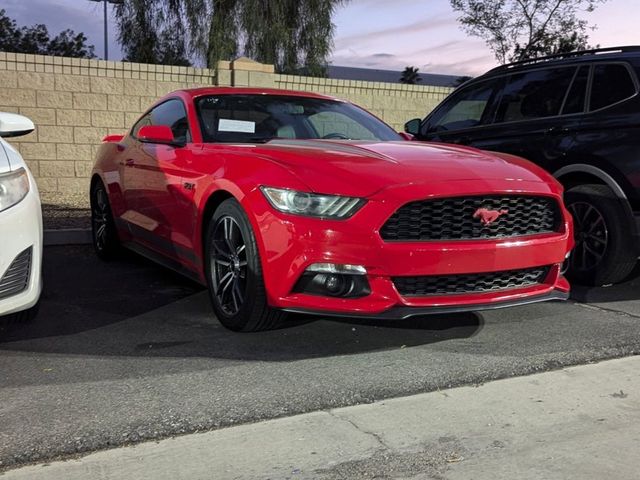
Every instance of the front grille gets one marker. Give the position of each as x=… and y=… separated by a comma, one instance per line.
x=453, y=218
x=16, y=279
x=469, y=283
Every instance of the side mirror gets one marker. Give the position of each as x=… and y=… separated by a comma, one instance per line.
x=413, y=126
x=161, y=134
x=14, y=125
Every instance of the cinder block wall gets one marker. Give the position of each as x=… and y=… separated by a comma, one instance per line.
x=76, y=102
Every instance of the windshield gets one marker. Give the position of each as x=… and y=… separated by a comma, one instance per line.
x=260, y=118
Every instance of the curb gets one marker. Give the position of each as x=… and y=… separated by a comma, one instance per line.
x=67, y=236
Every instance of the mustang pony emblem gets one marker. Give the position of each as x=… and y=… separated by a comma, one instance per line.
x=487, y=217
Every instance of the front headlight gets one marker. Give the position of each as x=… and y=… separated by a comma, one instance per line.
x=311, y=204
x=14, y=187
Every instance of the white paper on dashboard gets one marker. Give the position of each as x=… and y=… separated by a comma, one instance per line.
x=226, y=125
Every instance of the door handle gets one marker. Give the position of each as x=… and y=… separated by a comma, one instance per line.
x=556, y=131
x=129, y=162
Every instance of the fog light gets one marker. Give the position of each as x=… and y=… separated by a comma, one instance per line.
x=332, y=283
x=333, y=280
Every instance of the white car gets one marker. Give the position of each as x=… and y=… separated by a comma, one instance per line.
x=20, y=226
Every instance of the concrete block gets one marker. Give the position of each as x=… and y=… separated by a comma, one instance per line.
x=55, y=134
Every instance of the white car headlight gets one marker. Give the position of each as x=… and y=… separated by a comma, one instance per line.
x=311, y=204
x=14, y=187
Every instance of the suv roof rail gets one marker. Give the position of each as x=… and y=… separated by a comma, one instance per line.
x=559, y=56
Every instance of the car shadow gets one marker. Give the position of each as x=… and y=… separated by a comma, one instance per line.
x=627, y=290
x=131, y=307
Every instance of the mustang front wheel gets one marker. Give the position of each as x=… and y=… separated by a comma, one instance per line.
x=234, y=272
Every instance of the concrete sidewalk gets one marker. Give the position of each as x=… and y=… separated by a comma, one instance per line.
x=581, y=422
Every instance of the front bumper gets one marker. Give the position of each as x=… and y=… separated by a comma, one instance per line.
x=289, y=244
x=401, y=313
x=21, y=227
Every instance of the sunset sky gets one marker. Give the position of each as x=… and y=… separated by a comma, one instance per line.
x=385, y=34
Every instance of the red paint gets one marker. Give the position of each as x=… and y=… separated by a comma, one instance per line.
x=151, y=197
x=156, y=134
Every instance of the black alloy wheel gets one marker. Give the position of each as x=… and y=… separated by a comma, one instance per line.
x=591, y=236
x=604, y=252
x=234, y=272
x=229, y=269
x=105, y=237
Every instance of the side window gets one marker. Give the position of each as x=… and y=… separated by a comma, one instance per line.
x=536, y=94
x=172, y=114
x=144, y=121
x=465, y=109
x=611, y=84
x=577, y=93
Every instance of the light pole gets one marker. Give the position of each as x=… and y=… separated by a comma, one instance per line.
x=106, y=33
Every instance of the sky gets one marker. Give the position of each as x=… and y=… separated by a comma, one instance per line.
x=383, y=34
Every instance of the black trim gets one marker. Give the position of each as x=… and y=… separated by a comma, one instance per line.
x=163, y=261
x=16, y=133
x=401, y=313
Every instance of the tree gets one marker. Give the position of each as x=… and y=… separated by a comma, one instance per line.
x=461, y=80
x=36, y=40
x=522, y=29
x=145, y=35
x=410, y=76
x=290, y=34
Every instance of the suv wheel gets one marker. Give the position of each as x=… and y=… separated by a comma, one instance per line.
x=604, y=251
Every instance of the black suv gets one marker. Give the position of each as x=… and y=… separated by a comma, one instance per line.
x=578, y=116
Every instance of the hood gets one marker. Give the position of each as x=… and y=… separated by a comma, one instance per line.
x=5, y=166
x=362, y=168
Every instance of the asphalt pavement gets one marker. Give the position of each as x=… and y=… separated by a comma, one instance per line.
x=579, y=423
x=127, y=351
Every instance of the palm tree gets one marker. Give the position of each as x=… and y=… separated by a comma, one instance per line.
x=410, y=76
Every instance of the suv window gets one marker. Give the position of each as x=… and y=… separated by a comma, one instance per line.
x=577, y=93
x=466, y=108
x=536, y=94
x=612, y=83
x=172, y=114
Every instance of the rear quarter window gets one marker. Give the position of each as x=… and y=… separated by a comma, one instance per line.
x=612, y=83
x=535, y=94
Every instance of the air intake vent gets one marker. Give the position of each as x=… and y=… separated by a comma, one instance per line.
x=453, y=218
x=16, y=278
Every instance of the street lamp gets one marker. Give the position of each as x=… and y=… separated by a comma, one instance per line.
x=106, y=34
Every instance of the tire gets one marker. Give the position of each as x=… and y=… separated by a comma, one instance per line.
x=605, y=252
x=234, y=272
x=103, y=229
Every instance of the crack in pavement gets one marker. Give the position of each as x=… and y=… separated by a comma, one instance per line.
x=376, y=436
x=607, y=310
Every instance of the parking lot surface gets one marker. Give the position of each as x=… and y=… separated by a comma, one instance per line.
x=127, y=351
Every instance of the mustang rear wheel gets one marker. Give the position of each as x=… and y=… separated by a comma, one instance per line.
x=103, y=229
x=604, y=251
x=234, y=272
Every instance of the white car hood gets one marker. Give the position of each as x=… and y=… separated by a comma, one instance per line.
x=4, y=160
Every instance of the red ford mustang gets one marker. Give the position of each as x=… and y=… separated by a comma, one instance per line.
x=283, y=201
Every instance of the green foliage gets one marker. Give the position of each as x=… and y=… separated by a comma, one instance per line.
x=522, y=29
x=410, y=76
x=36, y=40
x=287, y=33
x=150, y=33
